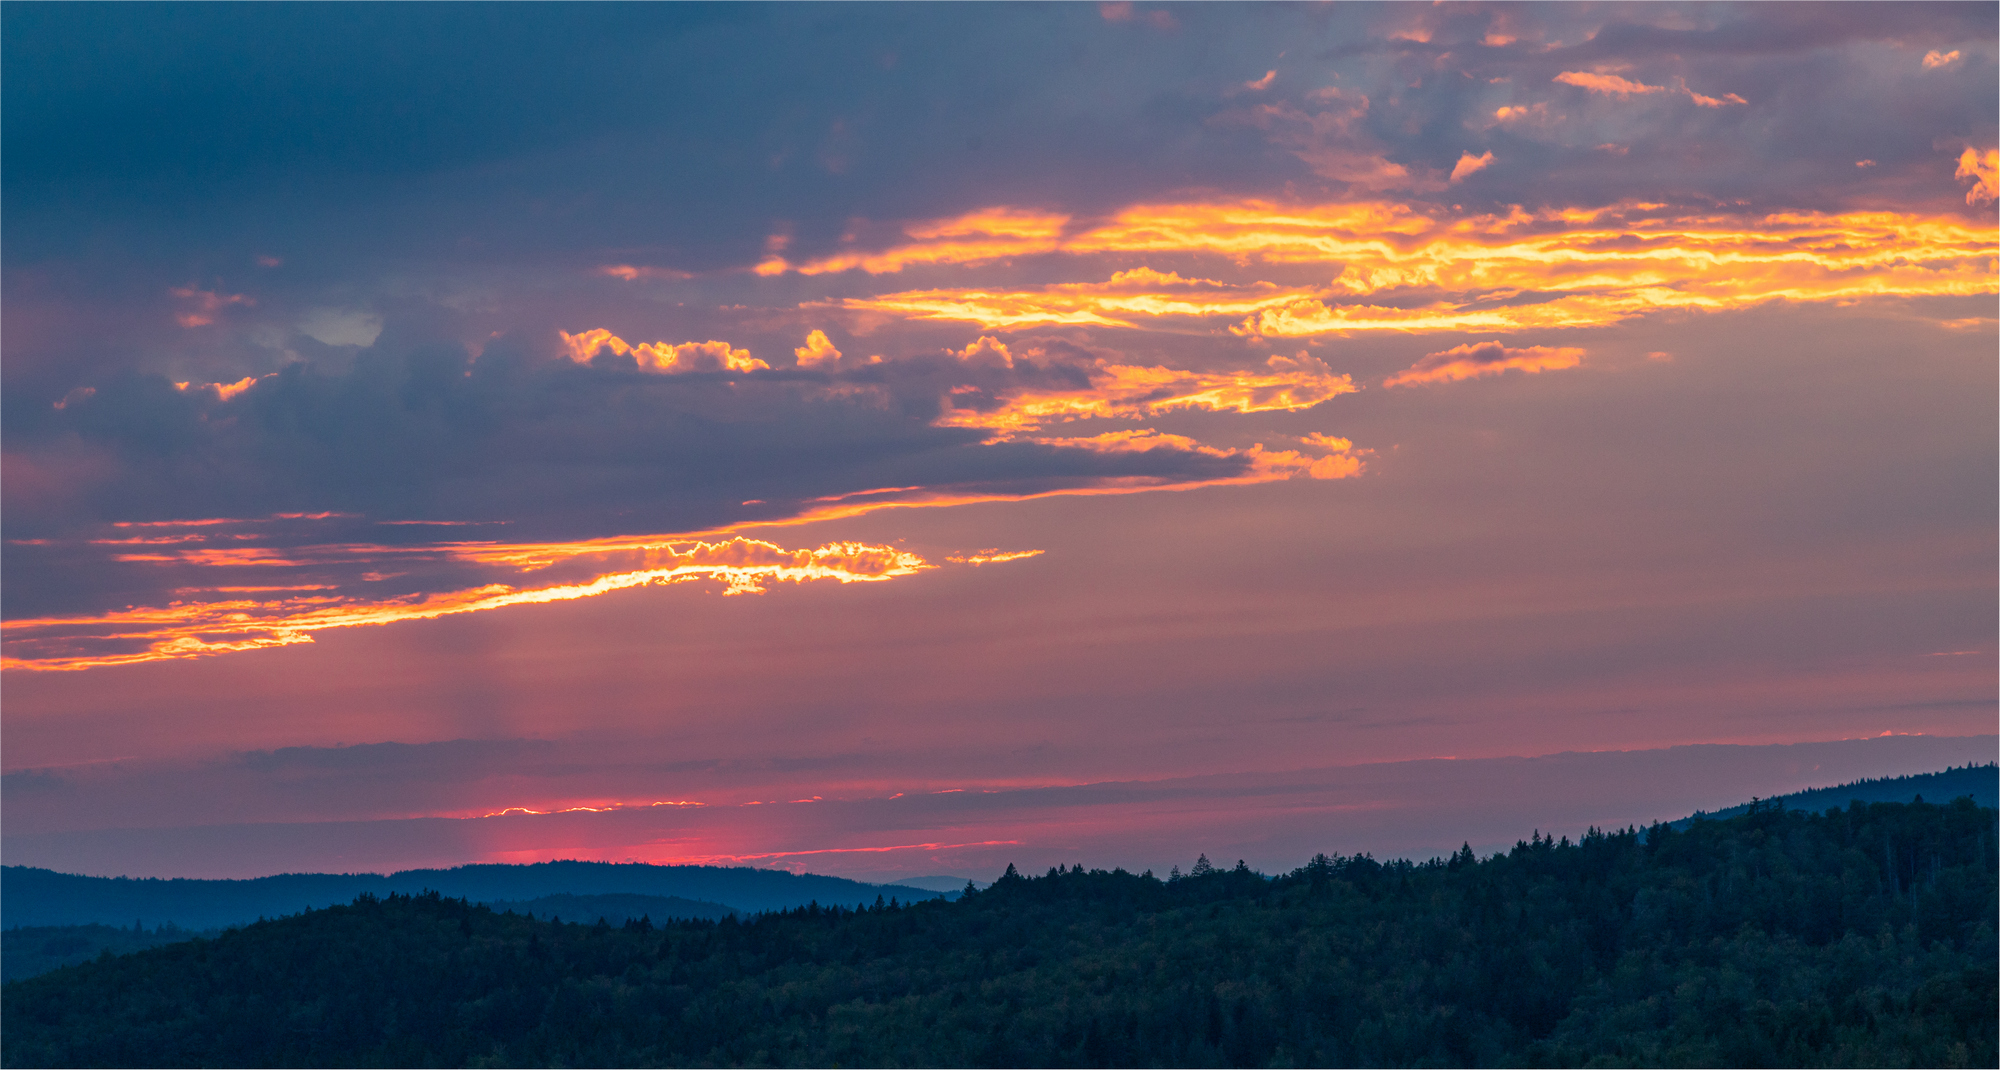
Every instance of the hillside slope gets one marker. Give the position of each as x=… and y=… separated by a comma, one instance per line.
x=1980, y=783
x=1862, y=937
x=31, y=896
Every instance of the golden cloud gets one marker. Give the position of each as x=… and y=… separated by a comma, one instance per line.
x=706, y=356
x=1133, y=391
x=197, y=629
x=817, y=351
x=1399, y=269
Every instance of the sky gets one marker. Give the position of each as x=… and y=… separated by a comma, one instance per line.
x=891, y=440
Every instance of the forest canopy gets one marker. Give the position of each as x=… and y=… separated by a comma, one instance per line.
x=1862, y=936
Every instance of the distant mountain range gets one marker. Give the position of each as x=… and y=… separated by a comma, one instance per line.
x=39, y=897
x=617, y=892
x=1857, y=936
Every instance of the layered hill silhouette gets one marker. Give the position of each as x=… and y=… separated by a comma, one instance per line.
x=40, y=897
x=1980, y=783
x=1861, y=936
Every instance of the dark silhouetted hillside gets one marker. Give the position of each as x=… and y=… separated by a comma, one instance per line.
x=1980, y=783
x=1858, y=937
x=615, y=909
x=31, y=896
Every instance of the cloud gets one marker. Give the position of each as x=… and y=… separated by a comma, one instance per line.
x=1134, y=298
x=1405, y=267
x=201, y=307
x=1045, y=391
x=1510, y=113
x=709, y=356
x=1724, y=101
x=195, y=628
x=1261, y=84
x=1484, y=358
x=633, y=272
x=1124, y=11
x=1983, y=168
x=151, y=519
x=987, y=234
x=1336, y=140
x=1935, y=60
x=1468, y=163
x=992, y=556
x=817, y=351
x=337, y=327
x=1610, y=84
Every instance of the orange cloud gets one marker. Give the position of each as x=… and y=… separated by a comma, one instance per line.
x=991, y=557
x=1133, y=391
x=1484, y=358
x=817, y=351
x=1934, y=59
x=1983, y=168
x=986, y=350
x=988, y=234
x=1607, y=83
x=1508, y=113
x=226, y=390
x=198, y=629
x=1140, y=296
x=1496, y=272
x=1261, y=84
x=1724, y=101
x=662, y=356
x=1468, y=163
x=1264, y=465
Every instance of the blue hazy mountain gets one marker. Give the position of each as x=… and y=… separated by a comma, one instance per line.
x=34, y=897
x=1979, y=782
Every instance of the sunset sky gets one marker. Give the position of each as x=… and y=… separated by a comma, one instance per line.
x=902, y=440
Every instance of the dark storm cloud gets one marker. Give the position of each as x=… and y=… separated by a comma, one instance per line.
x=185, y=135
x=686, y=128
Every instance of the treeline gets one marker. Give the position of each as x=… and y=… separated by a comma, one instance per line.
x=1862, y=936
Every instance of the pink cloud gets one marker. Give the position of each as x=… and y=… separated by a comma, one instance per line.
x=1484, y=358
x=1468, y=163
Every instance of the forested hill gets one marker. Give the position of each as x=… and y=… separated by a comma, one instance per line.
x=1859, y=937
x=1980, y=783
x=42, y=897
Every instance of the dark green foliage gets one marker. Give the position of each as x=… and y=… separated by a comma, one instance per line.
x=616, y=909
x=1857, y=937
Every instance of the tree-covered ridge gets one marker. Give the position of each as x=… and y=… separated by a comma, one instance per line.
x=1862, y=936
x=1980, y=783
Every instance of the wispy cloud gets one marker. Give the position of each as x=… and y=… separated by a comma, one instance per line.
x=196, y=628
x=1484, y=358
x=1449, y=272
